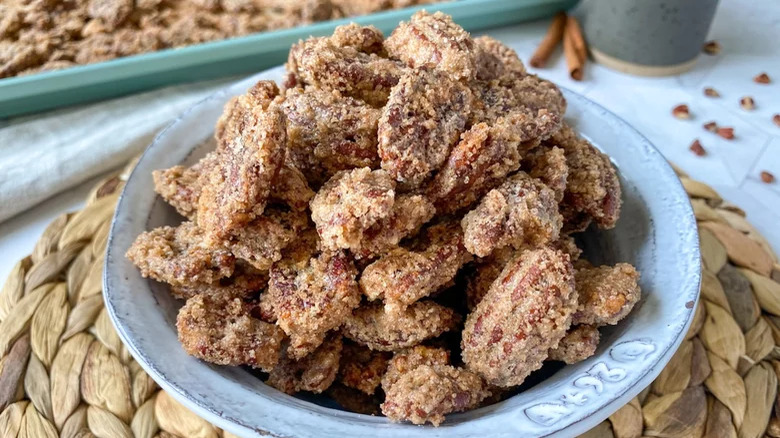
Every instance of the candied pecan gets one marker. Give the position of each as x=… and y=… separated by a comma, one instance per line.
x=494, y=59
x=319, y=62
x=521, y=212
x=181, y=186
x=528, y=94
x=260, y=242
x=567, y=245
x=220, y=329
x=408, y=359
x=371, y=326
x=327, y=133
x=236, y=191
x=290, y=188
x=525, y=313
x=111, y=12
x=362, y=368
x=409, y=213
x=549, y=165
x=428, y=393
x=479, y=163
x=355, y=401
x=234, y=115
x=178, y=256
x=402, y=276
x=434, y=41
x=367, y=39
x=244, y=283
x=313, y=373
x=424, y=117
x=593, y=189
x=483, y=273
x=606, y=293
x=349, y=203
x=579, y=344
x=312, y=297
x=17, y=57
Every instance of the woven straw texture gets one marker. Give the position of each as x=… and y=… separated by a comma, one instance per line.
x=65, y=373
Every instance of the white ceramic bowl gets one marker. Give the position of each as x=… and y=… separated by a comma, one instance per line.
x=656, y=233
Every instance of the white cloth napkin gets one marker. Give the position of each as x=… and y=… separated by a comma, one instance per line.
x=42, y=155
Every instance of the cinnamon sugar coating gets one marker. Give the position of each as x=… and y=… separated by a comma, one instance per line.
x=593, y=189
x=220, y=329
x=328, y=133
x=322, y=63
x=361, y=368
x=312, y=297
x=521, y=212
x=313, y=373
x=579, y=344
x=236, y=191
x=372, y=326
x=527, y=311
x=350, y=203
x=606, y=293
x=434, y=41
x=427, y=393
x=403, y=276
x=424, y=117
x=179, y=257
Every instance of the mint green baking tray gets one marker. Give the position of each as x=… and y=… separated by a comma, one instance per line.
x=54, y=89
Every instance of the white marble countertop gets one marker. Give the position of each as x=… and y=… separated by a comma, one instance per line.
x=748, y=32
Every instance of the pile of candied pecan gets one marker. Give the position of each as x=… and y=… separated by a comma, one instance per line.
x=394, y=227
x=41, y=35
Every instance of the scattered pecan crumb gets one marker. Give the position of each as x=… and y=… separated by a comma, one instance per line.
x=747, y=103
x=727, y=133
x=776, y=119
x=697, y=148
x=711, y=47
x=711, y=92
x=767, y=177
x=711, y=126
x=762, y=78
x=681, y=112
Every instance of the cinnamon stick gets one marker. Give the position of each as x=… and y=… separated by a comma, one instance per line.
x=575, y=58
x=550, y=41
x=575, y=32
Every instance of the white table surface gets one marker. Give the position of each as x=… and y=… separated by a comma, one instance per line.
x=749, y=33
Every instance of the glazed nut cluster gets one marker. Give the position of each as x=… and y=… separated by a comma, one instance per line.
x=393, y=227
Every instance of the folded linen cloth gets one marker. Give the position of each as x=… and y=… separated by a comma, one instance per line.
x=42, y=155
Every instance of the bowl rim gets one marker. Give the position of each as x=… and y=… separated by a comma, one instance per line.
x=690, y=290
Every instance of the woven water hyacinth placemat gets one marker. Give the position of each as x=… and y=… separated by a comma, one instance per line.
x=65, y=373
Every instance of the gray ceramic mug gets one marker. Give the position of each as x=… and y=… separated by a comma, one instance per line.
x=647, y=37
